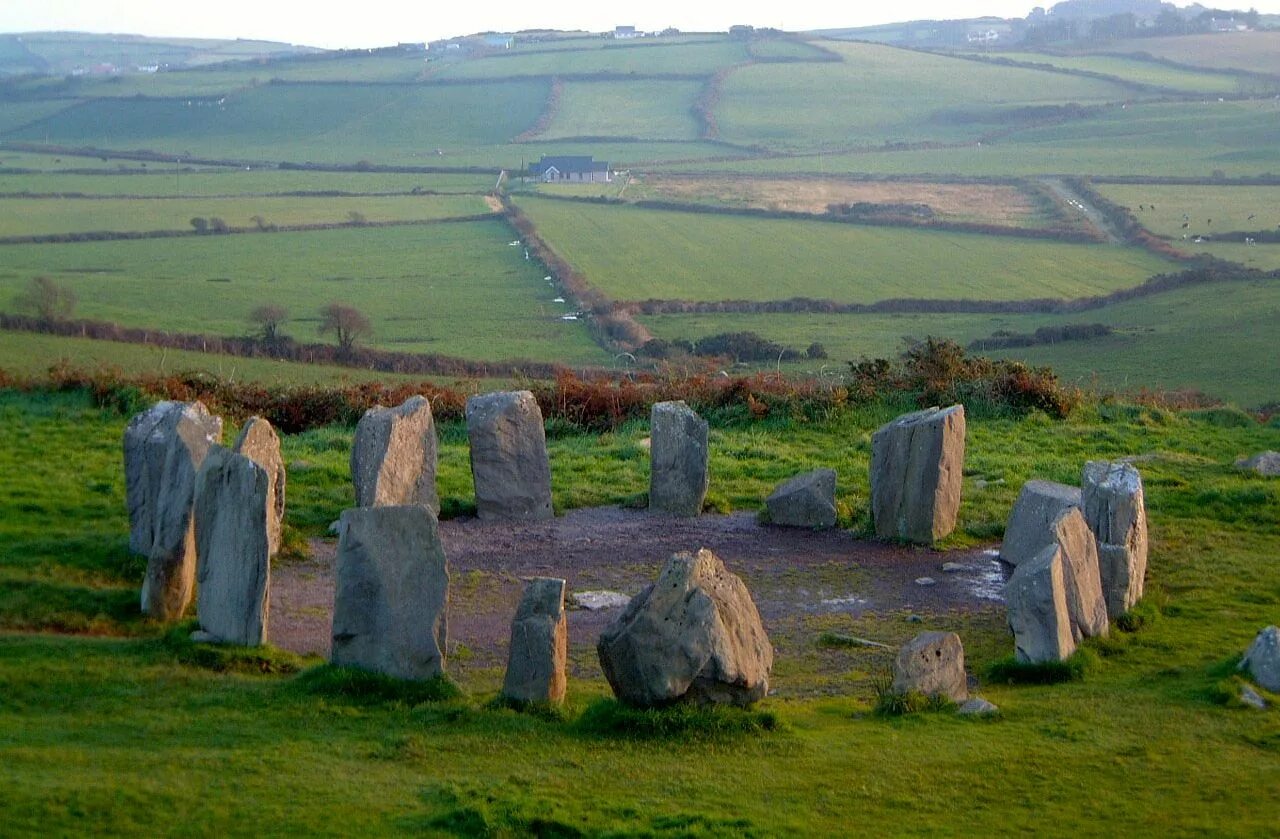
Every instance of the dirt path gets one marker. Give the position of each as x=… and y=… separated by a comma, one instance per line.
x=789, y=571
x=1077, y=202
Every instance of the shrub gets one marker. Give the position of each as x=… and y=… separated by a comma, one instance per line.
x=609, y=717
x=1014, y=672
x=364, y=687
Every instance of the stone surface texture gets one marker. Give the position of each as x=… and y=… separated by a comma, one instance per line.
x=259, y=442
x=1036, y=600
x=1266, y=464
x=693, y=635
x=539, y=645
x=679, y=472
x=509, y=456
x=1263, y=659
x=163, y=449
x=917, y=468
x=807, y=500
x=978, y=707
x=393, y=456
x=391, y=592
x=1116, y=513
x=1086, y=605
x=233, y=546
x=1029, y=529
x=932, y=663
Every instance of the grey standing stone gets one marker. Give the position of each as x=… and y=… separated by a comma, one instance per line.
x=932, y=663
x=807, y=500
x=1029, y=530
x=679, y=474
x=1266, y=464
x=391, y=591
x=1263, y=659
x=163, y=448
x=1036, y=600
x=917, y=469
x=693, y=635
x=233, y=545
x=393, y=456
x=509, y=456
x=1116, y=513
x=1086, y=605
x=539, y=645
x=259, y=442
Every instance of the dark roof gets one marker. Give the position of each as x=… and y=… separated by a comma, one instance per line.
x=571, y=163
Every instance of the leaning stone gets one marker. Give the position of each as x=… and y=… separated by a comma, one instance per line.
x=917, y=465
x=807, y=500
x=1117, y=515
x=259, y=442
x=391, y=591
x=1263, y=659
x=1266, y=464
x=678, y=459
x=393, y=456
x=978, y=707
x=509, y=456
x=693, y=635
x=932, y=663
x=1036, y=600
x=1028, y=531
x=163, y=449
x=1086, y=605
x=539, y=645
x=232, y=520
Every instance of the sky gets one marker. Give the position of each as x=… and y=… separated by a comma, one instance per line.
x=370, y=23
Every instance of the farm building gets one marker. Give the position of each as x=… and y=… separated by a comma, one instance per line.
x=575, y=168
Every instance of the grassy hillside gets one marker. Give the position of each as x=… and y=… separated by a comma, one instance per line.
x=1253, y=52
x=168, y=180
x=60, y=53
x=661, y=57
x=1135, y=70
x=644, y=109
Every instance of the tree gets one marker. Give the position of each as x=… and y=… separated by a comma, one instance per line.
x=201, y=224
x=268, y=318
x=347, y=323
x=47, y=300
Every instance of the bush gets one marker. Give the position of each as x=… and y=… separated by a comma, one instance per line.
x=609, y=717
x=1014, y=672
x=743, y=346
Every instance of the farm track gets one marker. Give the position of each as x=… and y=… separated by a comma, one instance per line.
x=1081, y=203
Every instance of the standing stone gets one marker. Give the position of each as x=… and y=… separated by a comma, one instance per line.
x=1086, y=605
x=932, y=663
x=917, y=468
x=509, y=456
x=1036, y=600
x=1263, y=659
x=259, y=442
x=391, y=591
x=163, y=448
x=807, y=500
x=1029, y=530
x=539, y=645
x=233, y=544
x=678, y=459
x=693, y=635
x=1117, y=515
x=1266, y=464
x=393, y=457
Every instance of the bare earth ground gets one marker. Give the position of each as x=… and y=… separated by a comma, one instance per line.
x=792, y=573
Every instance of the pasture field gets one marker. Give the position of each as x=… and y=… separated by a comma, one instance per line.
x=38, y=216
x=41, y=162
x=453, y=288
x=1251, y=52
x=1218, y=339
x=636, y=254
x=703, y=58
x=880, y=95
x=166, y=180
x=1135, y=70
x=786, y=49
x=1205, y=209
x=17, y=114
x=105, y=718
x=659, y=110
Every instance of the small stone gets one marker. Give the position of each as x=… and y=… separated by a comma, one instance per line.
x=1263, y=659
x=807, y=500
x=917, y=466
x=1252, y=698
x=593, y=601
x=953, y=567
x=932, y=663
x=539, y=645
x=393, y=456
x=976, y=706
x=678, y=459
x=1028, y=531
x=509, y=464
x=926, y=581
x=1266, y=464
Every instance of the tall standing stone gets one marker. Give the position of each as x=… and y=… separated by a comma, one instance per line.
x=393, y=457
x=391, y=591
x=917, y=469
x=539, y=645
x=1086, y=605
x=233, y=544
x=1117, y=515
x=678, y=459
x=259, y=442
x=693, y=635
x=1030, y=527
x=509, y=456
x=163, y=448
x=932, y=663
x=1036, y=600
x=807, y=500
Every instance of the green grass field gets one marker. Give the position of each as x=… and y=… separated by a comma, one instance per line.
x=1135, y=70
x=646, y=109
x=1253, y=52
x=636, y=254
x=167, y=180
x=456, y=289
x=1205, y=209
x=703, y=58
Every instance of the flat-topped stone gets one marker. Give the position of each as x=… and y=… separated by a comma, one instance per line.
x=509, y=456
x=917, y=470
x=679, y=473
x=1029, y=529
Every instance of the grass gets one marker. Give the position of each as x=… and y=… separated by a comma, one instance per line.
x=1253, y=52
x=1207, y=209
x=456, y=289
x=636, y=254
x=705, y=58
x=1135, y=70
x=646, y=109
x=166, y=180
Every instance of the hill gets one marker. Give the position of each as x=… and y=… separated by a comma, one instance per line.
x=82, y=53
